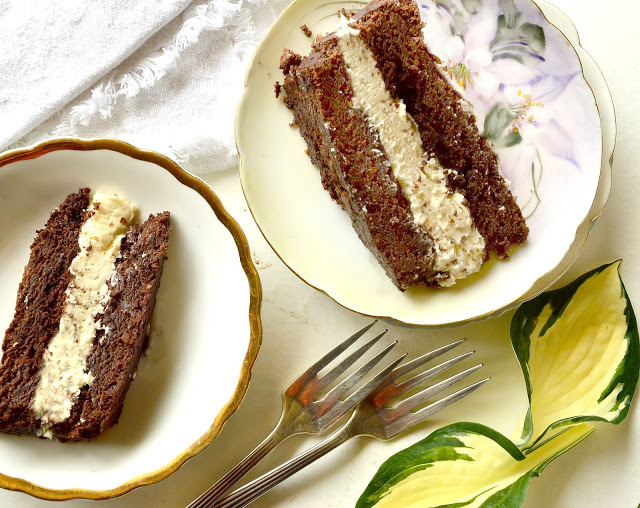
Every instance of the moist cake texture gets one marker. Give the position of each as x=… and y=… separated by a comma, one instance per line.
x=398, y=148
x=82, y=318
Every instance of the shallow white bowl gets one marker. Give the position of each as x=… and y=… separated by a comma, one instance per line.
x=206, y=328
x=314, y=237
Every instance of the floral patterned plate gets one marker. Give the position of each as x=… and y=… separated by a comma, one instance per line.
x=533, y=94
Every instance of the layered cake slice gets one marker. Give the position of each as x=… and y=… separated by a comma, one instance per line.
x=398, y=148
x=82, y=318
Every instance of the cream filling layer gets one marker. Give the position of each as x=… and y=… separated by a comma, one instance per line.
x=458, y=246
x=64, y=372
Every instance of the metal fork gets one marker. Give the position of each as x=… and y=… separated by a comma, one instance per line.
x=372, y=418
x=302, y=413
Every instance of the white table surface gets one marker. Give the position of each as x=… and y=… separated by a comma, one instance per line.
x=301, y=323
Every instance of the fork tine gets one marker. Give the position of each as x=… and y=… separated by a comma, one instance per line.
x=304, y=378
x=337, y=410
x=333, y=374
x=427, y=393
x=339, y=349
x=367, y=388
x=439, y=405
x=356, y=376
x=421, y=360
x=431, y=373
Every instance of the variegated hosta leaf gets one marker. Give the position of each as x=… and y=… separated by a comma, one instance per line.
x=578, y=349
x=580, y=355
x=464, y=464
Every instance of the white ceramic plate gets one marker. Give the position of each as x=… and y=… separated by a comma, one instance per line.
x=556, y=168
x=205, y=329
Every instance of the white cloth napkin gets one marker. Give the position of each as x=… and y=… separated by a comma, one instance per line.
x=149, y=72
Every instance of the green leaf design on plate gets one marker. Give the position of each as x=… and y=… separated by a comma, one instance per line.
x=516, y=38
x=579, y=351
x=499, y=117
x=464, y=464
x=472, y=6
x=511, y=139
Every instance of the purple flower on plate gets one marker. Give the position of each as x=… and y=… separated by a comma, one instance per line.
x=462, y=42
x=495, y=52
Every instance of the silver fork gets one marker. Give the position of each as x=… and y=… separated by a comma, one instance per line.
x=372, y=418
x=302, y=413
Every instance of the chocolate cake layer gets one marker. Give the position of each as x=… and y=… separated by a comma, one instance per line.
x=39, y=305
x=340, y=144
x=393, y=31
x=127, y=316
x=432, y=205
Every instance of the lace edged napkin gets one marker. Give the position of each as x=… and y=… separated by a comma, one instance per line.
x=164, y=75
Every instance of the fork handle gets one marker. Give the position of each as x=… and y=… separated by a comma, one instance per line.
x=216, y=491
x=253, y=490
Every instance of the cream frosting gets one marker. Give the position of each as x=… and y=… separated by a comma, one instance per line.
x=458, y=246
x=65, y=371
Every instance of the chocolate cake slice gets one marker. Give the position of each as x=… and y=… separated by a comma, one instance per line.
x=82, y=318
x=398, y=148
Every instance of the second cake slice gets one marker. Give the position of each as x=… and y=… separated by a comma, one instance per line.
x=399, y=150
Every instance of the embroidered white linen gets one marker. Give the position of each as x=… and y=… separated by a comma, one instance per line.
x=165, y=75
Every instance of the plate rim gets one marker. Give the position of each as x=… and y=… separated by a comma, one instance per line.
x=602, y=193
x=255, y=322
x=583, y=228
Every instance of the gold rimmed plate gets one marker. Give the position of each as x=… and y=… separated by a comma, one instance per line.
x=555, y=149
x=206, y=328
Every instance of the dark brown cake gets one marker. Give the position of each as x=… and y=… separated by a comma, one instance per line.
x=38, y=308
x=118, y=342
x=347, y=144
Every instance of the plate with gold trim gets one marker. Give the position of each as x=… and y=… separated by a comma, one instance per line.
x=538, y=97
x=205, y=332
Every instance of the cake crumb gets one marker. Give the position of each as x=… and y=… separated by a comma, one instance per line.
x=346, y=14
x=277, y=89
x=289, y=59
x=305, y=29
x=260, y=265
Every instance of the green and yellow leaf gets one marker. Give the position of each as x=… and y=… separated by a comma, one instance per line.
x=464, y=465
x=578, y=349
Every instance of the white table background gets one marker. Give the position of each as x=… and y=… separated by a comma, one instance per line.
x=301, y=323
